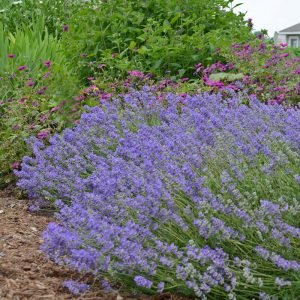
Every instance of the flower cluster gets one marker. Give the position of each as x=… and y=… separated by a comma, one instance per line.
x=257, y=68
x=193, y=195
x=27, y=107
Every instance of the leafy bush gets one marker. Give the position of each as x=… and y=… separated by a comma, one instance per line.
x=265, y=70
x=195, y=196
x=34, y=81
x=152, y=36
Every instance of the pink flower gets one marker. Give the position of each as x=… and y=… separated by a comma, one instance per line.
x=283, y=45
x=136, y=73
x=31, y=126
x=90, y=78
x=15, y=165
x=22, y=100
x=79, y=98
x=46, y=75
x=184, y=79
x=101, y=66
x=272, y=102
x=11, y=55
x=284, y=54
x=30, y=83
x=54, y=109
x=43, y=118
x=47, y=63
x=65, y=28
x=114, y=55
x=105, y=96
x=43, y=134
x=198, y=67
x=235, y=46
x=42, y=90
x=21, y=68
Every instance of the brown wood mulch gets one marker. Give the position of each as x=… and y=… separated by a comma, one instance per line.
x=25, y=273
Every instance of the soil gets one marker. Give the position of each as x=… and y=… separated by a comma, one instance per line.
x=25, y=273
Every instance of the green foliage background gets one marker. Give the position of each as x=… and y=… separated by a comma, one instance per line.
x=152, y=36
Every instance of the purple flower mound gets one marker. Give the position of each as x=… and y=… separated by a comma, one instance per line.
x=75, y=287
x=196, y=197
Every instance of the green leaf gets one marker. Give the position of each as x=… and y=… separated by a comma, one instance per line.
x=132, y=45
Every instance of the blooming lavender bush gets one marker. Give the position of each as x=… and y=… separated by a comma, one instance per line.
x=197, y=196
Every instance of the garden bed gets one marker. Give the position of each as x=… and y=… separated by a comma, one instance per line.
x=25, y=272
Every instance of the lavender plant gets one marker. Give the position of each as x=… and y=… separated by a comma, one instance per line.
x=197, y=196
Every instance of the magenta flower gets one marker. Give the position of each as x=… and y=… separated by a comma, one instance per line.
x=284, y=54
x=101, y=66
x=56, y=108
x=184, y=79
x=43, y=118
x=21, y=68
x=79, y=98
x=41, y=90
x=65, y=28
x=198, y=67
x=47, y=63
x=15, y=165
x=136, y=73
x=90, y=78
x=76, y=122
x=46, y=75
x=30, y=83
x=43, y=134
x=11, y=55
x=22, y=100
x=105, y=96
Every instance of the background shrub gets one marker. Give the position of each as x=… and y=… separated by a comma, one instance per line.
x=152, y=36
x=195, y=196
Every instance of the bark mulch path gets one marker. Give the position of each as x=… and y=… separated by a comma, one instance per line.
x=25, y=273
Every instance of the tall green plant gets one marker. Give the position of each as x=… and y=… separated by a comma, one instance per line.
x=56, y=12
x=152, y=36
x=29, y=46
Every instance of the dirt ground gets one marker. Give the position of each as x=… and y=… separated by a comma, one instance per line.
x=25, y=273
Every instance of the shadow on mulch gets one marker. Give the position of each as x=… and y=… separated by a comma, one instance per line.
x=25, y=273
